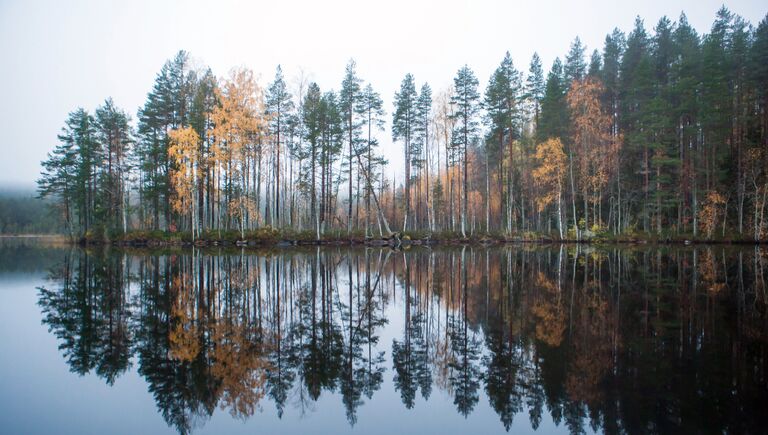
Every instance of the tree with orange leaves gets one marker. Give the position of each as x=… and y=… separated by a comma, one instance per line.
x=183, y=153
x=550, y=174
x=711, y=211
x=594, y=149
x=240, y=124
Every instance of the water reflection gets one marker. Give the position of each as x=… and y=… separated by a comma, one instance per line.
x=612, y=340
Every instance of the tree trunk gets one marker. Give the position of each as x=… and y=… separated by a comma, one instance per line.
x=573, y=199
x=487, y=196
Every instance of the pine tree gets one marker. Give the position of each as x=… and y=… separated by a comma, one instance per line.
x=664, y=161
x=312, y=117
x=279, y=106
x=502, y=107
x=503, y=119
x=420, y=150
x=349, y=105
x=636, y=92
x=58, y=181
x=331, y=146
x=373, y=111
x=758, y=66
x=166, y=108
x=114, y=133
x=613, y=49
x=685, y=110
x=758, y=138
x=467, y=99
x=715, y=110
x=403, y=126
x=741, y=91
x=203, y=104
x=70, y=173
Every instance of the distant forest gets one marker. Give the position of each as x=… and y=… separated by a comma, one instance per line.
x=21, y=212
x=663, y=131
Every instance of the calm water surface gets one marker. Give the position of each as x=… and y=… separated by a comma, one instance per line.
x=557, y=339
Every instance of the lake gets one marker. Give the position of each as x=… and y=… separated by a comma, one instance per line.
x=519, y=339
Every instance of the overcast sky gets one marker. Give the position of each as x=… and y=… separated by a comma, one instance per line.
x=60, y=55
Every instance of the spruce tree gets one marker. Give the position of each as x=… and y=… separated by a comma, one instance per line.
x=595, y=64
x=534, y=88
x=575, y=65
x=554, y=115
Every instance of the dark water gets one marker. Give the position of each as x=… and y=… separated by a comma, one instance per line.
x=558, y=339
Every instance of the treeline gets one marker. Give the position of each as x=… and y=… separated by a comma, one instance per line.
x=22, y=213
x=662, y=132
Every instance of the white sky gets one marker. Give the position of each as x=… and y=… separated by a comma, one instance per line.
x=59, y=55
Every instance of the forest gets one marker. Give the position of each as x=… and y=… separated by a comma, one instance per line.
x=662, y=133
x=21, y=212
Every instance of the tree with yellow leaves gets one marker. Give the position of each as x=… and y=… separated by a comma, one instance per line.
x=550, y=174
x=711, y=211
x=184, y=336
x=240, y=366
x=549, y=311
x=240, y=129
x=594, y=148
x=183, y=153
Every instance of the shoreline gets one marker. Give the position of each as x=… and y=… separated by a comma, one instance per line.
x=395, y=240
x=33, y=236
x=261, y=239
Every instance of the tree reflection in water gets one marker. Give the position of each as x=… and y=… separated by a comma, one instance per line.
x=623, y=340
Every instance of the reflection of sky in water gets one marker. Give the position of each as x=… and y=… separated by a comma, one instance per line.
x=39, y=393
